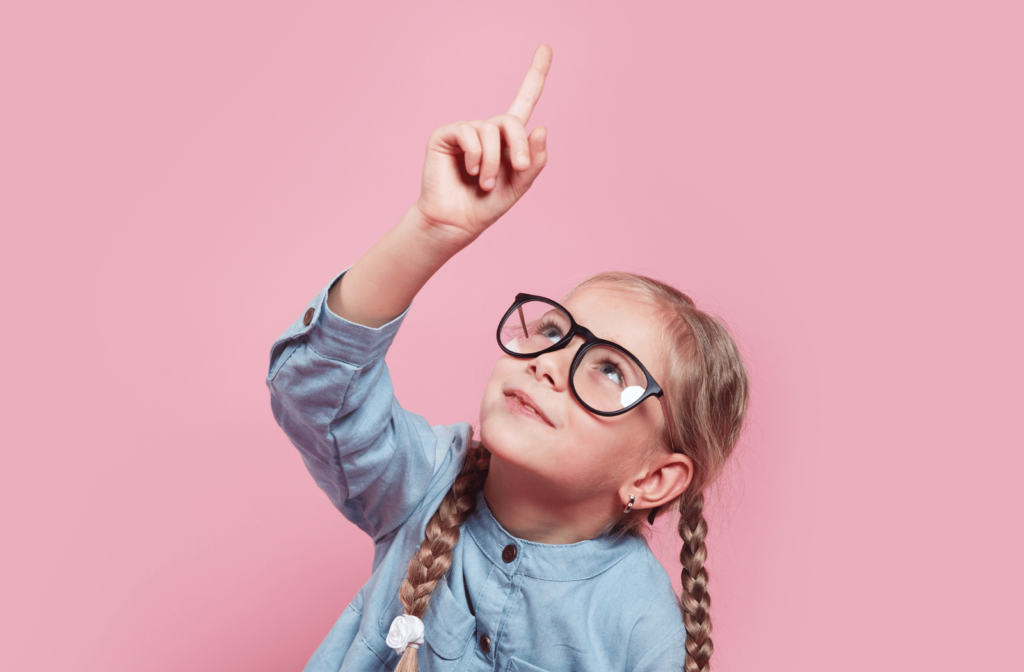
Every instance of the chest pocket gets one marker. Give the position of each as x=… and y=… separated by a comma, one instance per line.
x=448, y=628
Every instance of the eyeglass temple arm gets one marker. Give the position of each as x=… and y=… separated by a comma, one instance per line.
x=522, y=319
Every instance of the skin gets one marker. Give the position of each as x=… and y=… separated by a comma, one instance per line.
x=538, y=487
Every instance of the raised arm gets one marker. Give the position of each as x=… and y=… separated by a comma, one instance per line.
x=473, y=173
x=329, y=385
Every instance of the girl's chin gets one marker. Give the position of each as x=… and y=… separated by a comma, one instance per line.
x=500, y=440
x=492, y=439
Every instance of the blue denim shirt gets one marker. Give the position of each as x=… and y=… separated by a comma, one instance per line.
x=601, y=605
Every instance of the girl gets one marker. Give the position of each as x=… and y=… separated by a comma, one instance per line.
x=523, y=550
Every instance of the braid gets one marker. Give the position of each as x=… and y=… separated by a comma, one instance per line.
x=434, y=556
x=695, y=599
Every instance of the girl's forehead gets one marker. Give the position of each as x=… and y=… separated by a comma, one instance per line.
x=604, y=303
x=616, y=297
x=620, y=315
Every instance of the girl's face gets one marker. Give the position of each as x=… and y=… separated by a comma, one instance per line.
x=563, y=445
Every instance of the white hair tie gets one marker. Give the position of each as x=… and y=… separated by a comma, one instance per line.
x=405, y=631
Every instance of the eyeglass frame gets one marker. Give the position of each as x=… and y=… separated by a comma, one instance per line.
x=589, y=341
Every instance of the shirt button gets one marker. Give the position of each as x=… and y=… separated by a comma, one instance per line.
x=485, y=643
x=508, y=554
x=308, y=317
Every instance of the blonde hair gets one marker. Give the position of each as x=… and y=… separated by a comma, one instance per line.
x=706, y=394
x=434, y=556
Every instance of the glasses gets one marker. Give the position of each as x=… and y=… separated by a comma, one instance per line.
x=604, y=377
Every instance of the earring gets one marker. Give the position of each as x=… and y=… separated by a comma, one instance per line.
x=629, y=507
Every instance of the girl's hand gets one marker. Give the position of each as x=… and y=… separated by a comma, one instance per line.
x=476, y=170
x=473, y=173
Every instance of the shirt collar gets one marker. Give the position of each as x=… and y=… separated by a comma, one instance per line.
x=551, y=562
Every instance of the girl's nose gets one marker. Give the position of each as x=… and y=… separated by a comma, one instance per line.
x=553, y=367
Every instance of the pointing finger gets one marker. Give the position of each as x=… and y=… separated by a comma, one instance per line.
x=532, y=85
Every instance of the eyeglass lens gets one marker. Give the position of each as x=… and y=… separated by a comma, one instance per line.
x=606, y=379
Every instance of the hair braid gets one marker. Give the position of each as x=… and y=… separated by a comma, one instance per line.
x=434, y=556
x=695, y=599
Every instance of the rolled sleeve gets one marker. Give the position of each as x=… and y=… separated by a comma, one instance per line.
x=355, y=344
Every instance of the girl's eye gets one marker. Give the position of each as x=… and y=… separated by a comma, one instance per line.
x=611, y=370
x=550, y=331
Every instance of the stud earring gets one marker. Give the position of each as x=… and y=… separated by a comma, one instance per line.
x=629, y=507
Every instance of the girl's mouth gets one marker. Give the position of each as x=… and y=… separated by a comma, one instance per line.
x=520, y=403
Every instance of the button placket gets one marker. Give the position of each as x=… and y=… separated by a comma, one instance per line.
x=493, y=605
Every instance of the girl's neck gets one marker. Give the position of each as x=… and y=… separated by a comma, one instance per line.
x=532, y=511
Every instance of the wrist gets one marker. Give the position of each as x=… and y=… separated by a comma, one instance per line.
x=418, y=247
x=385, y=280
x=438, y=235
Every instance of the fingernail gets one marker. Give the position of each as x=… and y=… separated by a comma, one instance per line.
x=489, y=183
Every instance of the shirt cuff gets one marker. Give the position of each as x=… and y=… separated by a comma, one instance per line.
x=337, y=338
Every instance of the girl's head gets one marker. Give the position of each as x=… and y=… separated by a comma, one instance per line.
x=531, y=418
x=663, y=451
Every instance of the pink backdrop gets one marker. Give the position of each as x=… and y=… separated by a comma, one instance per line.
x=843, y=185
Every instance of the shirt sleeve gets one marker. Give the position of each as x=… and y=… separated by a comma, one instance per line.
x=331, y=393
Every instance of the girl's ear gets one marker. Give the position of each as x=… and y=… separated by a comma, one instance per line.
x=662, y=480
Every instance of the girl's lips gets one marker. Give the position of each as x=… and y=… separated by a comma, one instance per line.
x=519, y=402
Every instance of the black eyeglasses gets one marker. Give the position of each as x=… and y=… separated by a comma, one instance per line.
x=604, y=377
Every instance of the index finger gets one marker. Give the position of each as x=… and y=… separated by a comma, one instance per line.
x=531, y=87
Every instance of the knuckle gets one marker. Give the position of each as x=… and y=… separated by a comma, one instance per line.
x=510, y=122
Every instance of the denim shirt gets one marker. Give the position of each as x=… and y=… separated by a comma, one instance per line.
x=506, y=604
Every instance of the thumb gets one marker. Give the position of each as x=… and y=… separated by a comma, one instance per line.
x=538, y=158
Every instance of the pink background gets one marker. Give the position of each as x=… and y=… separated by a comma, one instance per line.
x=842, y=184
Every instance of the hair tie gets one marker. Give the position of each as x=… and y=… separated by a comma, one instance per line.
x=405, y=631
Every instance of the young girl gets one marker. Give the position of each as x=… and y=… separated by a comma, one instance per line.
x=523, y=550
